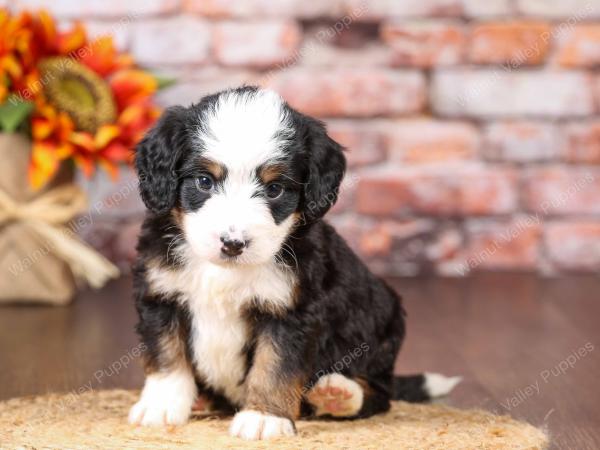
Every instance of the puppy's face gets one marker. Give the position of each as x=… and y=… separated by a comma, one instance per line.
x=239, y=192
x=241, y=169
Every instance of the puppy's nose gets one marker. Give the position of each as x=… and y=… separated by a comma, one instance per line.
x=232, y=246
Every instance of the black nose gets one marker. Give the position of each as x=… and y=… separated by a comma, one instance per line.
x=232, y=247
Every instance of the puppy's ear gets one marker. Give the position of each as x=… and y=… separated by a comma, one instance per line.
x=157, y=158
x=326, y=167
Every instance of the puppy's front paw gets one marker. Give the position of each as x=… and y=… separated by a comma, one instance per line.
x=166, y=400
x=253, y=425
x=149, y=412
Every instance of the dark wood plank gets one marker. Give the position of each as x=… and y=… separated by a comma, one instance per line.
x=500, y=331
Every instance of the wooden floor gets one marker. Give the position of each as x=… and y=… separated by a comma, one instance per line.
x=526, y=346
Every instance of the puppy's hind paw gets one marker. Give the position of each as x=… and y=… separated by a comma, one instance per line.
x=336, y=395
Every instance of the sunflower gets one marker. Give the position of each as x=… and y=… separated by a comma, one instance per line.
x=90, y=103
x=78, y=91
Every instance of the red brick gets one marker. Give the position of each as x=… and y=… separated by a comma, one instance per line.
x=560, y=190
x=193, y=84
x=180, y=40
x=444, y=250
x=500, y=93
x=383, y=9
x=486, y=190
x=424, y=44
x=437, y=190
x=120, y=31
x=425, y=141
x=579, y=46
x=505, y=245
x=396, y=193
x=573, y=245
x=522, y=142
x=264, y=8
x=347, y=193
x=573, y=10
x=398, y=248
x=489, y=8
x=389, y=247
x=350, y=227
x=257, y=44
x=362, y=140
x=379, y=239
x=116, y=9
x=515, y=43
x=583, y=142
x=351, y=92
x=318, y=49
x=597, y=90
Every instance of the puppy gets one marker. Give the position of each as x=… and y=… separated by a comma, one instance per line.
x=246, y=298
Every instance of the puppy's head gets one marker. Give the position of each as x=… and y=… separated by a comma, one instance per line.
x=240, y=170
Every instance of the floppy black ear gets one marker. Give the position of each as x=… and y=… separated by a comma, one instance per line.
x=326, y=167
x=157, y=158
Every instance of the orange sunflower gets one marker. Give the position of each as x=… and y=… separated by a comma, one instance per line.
x=91, y=105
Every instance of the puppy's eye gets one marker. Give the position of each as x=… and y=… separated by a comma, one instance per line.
x=274, y=190
x=204, y=182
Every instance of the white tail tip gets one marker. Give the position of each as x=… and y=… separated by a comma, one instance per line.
x=438, y=385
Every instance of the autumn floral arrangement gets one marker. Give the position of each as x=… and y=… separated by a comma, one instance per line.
x=65, y=101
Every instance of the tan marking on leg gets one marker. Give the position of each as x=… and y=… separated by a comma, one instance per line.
x=267, y=389
x=172, y=353
x=272, y=399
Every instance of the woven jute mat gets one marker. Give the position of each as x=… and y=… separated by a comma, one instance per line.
x=97, y=420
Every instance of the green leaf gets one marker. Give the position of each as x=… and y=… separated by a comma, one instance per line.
x=164, y=82
x=13, y=113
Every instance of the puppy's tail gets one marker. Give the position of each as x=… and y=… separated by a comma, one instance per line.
x=422, y=387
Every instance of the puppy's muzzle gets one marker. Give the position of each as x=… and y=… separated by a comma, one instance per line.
x=232, y=246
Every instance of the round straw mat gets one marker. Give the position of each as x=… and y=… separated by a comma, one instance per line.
x=97, y=420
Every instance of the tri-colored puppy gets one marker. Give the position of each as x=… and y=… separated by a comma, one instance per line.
x=245, y=296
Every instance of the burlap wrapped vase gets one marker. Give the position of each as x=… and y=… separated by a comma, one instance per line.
x=41, y=258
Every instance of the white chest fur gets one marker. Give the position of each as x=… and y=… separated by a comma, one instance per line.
x=216, y=296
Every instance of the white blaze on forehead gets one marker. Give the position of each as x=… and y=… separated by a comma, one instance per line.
x=246, y=129
x=241, y=131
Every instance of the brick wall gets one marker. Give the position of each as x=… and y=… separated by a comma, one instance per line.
x=472, y=127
